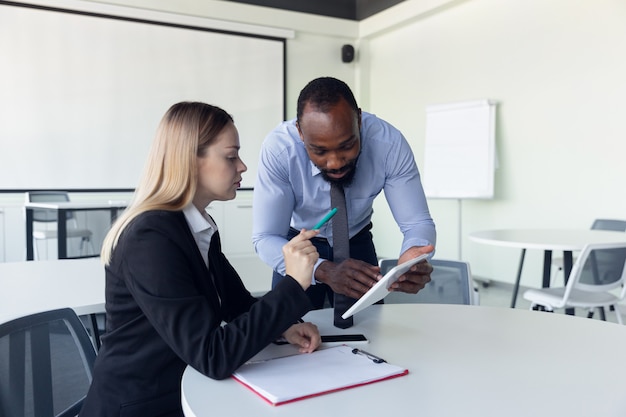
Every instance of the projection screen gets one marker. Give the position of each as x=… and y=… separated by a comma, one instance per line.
x=81, y=94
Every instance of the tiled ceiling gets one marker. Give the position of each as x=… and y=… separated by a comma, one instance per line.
x=344, y=9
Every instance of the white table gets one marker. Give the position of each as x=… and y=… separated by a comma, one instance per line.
x=34, y=286
x=462, y=361
x=114, y=207
x=547, y=240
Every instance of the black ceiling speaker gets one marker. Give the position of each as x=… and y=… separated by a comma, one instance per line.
x=347, y=53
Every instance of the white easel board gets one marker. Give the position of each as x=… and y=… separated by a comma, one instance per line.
x=459, y=158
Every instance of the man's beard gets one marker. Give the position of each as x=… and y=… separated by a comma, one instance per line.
x=344, y=181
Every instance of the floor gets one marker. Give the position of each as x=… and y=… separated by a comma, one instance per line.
x=498, y=294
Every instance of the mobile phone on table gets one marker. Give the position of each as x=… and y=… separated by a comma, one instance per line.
x=334, y=338
x=344, y=338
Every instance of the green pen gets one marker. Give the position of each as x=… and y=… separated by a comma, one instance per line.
x=325, y=219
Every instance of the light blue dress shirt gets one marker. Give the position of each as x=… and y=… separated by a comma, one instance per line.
x=290, y=190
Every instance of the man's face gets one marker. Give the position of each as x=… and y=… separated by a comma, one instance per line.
x=332, y=140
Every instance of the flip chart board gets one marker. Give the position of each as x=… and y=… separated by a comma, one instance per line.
x=459, y=158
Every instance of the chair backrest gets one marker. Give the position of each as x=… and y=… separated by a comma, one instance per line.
x=609, y=224
x=599, y=268
x=46, y=363
x=451, y=283
x=42, y=215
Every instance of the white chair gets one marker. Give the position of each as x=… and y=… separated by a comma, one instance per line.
x=45, y=221
x=596, y=281
x=451, y=283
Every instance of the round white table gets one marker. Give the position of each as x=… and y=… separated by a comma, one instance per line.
x=462, y=361
x=547, y=240
x=36, y=286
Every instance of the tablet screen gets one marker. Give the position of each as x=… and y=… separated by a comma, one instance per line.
x=381, y=289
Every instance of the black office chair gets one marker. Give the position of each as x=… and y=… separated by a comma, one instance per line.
x=46, y=363
x=451, y=283
x=46, y=217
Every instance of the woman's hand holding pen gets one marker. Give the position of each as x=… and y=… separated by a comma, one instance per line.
x=300, y=257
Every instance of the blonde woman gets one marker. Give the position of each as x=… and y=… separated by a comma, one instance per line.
x=169, y=287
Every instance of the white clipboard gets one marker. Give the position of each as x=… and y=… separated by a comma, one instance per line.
x=305, y=375
x=381, y=289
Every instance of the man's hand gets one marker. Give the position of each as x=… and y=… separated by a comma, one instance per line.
x=305, y=335
x=419, y=274
x=351, y=277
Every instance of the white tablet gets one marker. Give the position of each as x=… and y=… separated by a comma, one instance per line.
x=381, y=289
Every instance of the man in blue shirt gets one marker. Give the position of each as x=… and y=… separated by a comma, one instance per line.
x=331, y=140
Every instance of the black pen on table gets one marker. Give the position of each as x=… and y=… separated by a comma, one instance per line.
x=374, y=358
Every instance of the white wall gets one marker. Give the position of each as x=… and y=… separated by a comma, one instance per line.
x=557, y=69
x=314, y=51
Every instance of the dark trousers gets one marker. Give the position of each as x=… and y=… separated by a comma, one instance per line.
x=361, y=248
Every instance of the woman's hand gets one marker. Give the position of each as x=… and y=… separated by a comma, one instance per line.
x=304, y=335
x=300, y=257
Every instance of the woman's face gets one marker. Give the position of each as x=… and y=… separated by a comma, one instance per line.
x=219, y=169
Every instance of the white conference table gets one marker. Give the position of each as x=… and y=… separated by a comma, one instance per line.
x=462, y=361
x=62, y=208
x=547, y=240
x=34, y=286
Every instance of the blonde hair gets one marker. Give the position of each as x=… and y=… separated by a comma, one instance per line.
x=169, y=178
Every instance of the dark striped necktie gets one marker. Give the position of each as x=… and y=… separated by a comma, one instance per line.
x=341, y=251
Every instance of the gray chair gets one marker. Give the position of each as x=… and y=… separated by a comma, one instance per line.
x=598, y=224
x=596, y=281
x=609, y=224
x=46, y=363
x=451, y=283
x=43, y=219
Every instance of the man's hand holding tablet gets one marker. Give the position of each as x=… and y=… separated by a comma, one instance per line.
x=381, y=289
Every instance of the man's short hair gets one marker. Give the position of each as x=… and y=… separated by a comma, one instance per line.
x=323, y=93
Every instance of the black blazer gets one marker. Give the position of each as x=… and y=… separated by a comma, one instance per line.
x=163, y=312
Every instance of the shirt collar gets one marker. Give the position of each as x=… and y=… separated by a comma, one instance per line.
x=314, y=169
x=198, y=222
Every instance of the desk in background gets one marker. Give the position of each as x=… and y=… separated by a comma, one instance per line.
x=547, y=240
x=32, y=287
x=114, y=207
x=462, y=361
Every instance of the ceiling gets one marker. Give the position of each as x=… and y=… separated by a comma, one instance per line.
x=344, y=9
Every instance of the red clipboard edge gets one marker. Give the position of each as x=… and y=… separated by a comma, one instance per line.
x=317, y=394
